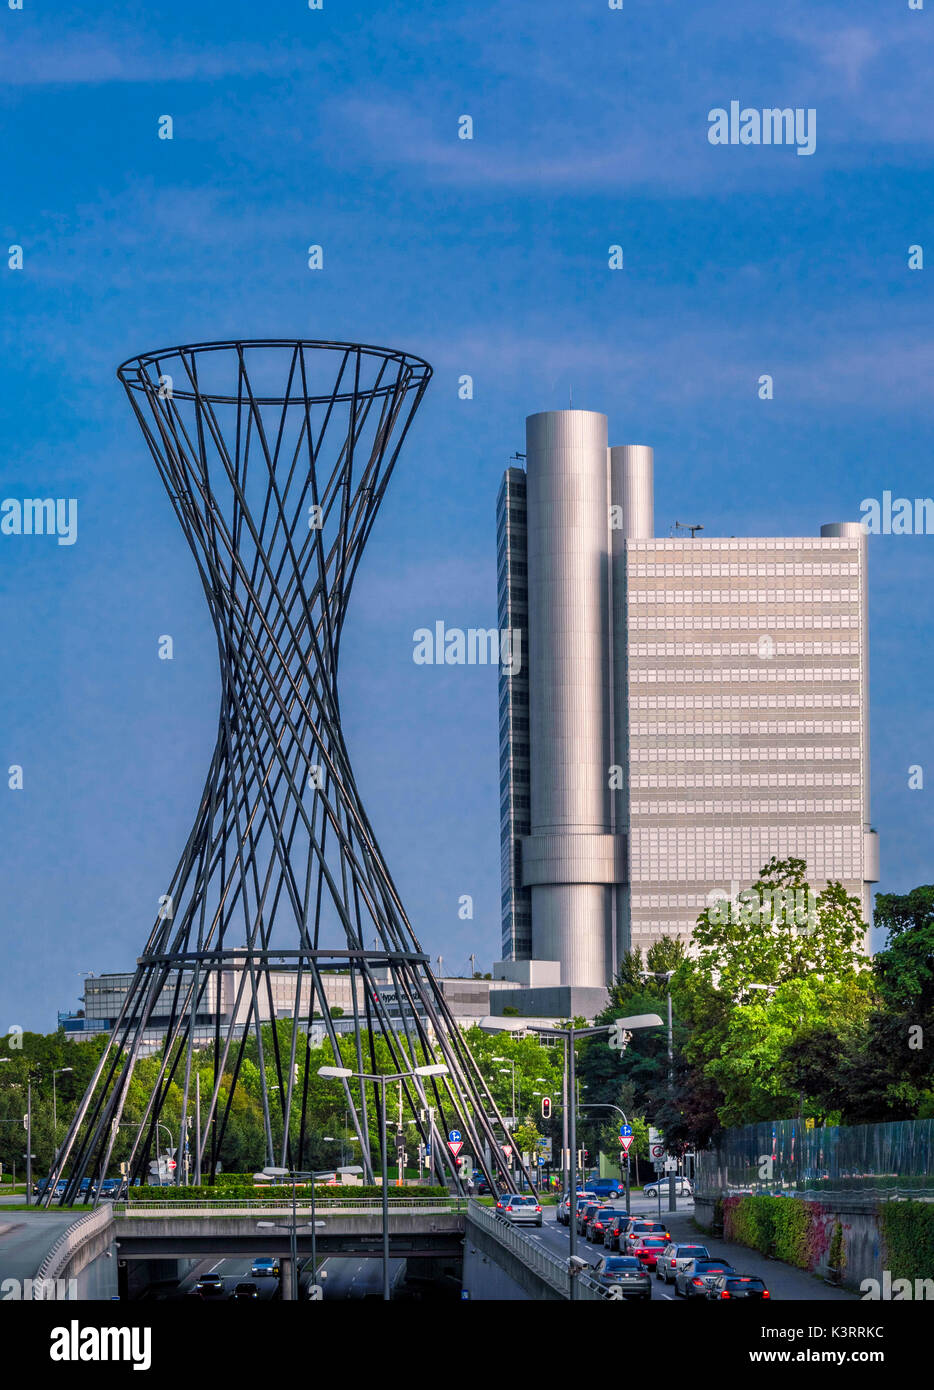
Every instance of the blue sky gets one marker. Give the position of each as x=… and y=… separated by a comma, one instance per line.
x=339, y=127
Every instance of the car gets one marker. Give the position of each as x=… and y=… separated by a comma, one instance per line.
x=209, y=1285
x=245, y=1290
x=693, y=1279
x=675, y=1255
x=683, y=1187
x=483, y=1188
x=648, y=1250
x=584, y=1212
x=626, y=1272
x=606, y=1188
x=735, y=1285
x=265, y=1268
x=639, y=1227
x=614, y=1229
x=564, y=1209
x=597, y=1227
x=520, y=1209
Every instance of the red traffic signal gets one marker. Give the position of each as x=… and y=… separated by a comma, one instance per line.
x=546, y=1107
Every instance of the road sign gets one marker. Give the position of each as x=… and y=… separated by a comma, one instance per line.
x=455, y=1145
x=657, y=1152
x=624, y=1131
x=454, y=1135
x=625, y=1141
x=507, y=1150
x=171, y=1165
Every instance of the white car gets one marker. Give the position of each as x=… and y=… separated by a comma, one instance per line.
x=683, y=1187
x=675, y=1256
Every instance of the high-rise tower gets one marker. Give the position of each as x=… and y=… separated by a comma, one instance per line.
x=694, y=706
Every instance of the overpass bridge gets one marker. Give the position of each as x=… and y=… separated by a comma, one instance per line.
x=459, y=1238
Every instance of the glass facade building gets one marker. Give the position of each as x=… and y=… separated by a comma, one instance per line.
x=689, y=707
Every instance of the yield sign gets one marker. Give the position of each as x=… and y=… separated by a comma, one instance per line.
x=625, y=1140
x=455, y=1145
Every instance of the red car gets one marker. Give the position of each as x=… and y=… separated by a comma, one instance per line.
x=648, y=1249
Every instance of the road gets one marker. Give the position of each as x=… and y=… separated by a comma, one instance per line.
x=782, y=1281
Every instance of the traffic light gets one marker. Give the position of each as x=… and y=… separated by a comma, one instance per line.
x=546, y=1107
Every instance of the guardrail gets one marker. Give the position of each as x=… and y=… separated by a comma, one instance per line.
x=866, y=1197
x=548, y=1266
x=71, y=1240
x=424, y=1205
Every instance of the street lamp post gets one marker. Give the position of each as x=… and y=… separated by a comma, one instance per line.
x=382, y=1080
x=571, y=1035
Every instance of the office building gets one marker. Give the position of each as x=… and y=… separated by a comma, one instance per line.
x=688, y=708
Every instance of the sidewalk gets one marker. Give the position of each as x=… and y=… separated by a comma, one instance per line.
x=783, y=1281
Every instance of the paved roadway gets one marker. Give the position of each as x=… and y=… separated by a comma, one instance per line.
x=782, y=1281
x=346, y=1277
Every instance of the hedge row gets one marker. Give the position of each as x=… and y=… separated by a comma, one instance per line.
x=785, y=1227
x=908, y=1236
x=279, y=1193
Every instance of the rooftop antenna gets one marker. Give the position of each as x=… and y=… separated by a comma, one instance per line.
x=686, y=526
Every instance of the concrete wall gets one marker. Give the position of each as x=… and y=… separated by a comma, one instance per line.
x=493, y=1274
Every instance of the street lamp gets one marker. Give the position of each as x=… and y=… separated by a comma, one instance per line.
x=383, y=1080
x=314, y=1226
x=570, y=1036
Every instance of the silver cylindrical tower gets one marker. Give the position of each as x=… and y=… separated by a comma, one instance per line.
x=566, y=860
x=632, y=473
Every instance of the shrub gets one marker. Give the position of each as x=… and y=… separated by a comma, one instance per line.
x=908, y=1238
x=280, y=1194
x=785, y=1227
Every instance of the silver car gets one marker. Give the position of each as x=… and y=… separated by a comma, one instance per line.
x=675, y=1256
x=564, y=1206
x=520, y=1209
x=683, y=1188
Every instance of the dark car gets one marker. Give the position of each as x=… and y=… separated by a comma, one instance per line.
x=245, y=1290
x=727, y=1286
x=584, y=1213
x=597, y=1226
x=623, y=1272
x=615, y=1227
x=694, y=1279
x=209, y=1285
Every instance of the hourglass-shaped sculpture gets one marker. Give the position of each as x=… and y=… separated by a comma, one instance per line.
x=276, y=456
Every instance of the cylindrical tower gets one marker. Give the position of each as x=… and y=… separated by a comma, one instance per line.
x=564, y=859
x=632, y=474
